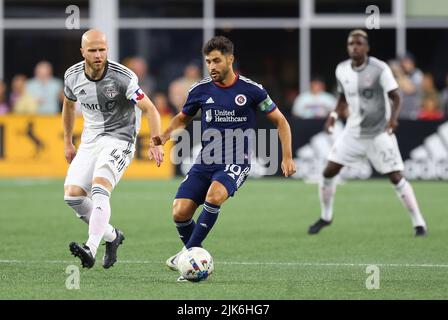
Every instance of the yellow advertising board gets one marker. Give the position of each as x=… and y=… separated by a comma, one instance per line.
x=33, y=146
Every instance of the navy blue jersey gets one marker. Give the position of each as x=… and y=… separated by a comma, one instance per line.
x=229, y=110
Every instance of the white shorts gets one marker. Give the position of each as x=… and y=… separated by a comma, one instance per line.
x=106, y=157
x=382, y=151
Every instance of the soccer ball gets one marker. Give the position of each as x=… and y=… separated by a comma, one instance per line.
x=195, y=264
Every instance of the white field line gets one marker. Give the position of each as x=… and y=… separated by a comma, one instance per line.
x=298, y=264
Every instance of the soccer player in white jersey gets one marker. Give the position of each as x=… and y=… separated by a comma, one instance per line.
x=112, y=104
x=365, y=86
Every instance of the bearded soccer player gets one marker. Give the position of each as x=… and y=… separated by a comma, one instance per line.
x=112, y=104
x=366, y=86
x=228, y=102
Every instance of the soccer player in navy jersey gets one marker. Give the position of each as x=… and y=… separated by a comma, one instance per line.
x=228, y=102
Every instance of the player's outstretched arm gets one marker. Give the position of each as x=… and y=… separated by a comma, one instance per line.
x=155, y=125
x=339, y=112
x=180, y=121
x=284, y=132
x=68, y=122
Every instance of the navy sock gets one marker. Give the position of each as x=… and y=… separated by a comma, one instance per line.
x=185, y=229
x=204, y=224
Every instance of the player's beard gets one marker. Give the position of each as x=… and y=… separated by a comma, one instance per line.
x=222, y=75
x=96, y=68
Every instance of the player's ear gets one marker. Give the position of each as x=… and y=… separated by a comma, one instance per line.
x=231, y=58
x=82, y=52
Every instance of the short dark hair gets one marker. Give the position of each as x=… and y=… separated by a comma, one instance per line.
x=359, y=33
x=219, y=43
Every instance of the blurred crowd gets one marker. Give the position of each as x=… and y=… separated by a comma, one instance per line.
x=43, y=93
x=421, y=100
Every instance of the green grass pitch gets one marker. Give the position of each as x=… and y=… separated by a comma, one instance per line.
x=259, y=243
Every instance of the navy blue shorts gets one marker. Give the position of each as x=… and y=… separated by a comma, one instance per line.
x=200, y=177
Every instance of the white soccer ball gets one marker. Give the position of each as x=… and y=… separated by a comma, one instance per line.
x=195, y=264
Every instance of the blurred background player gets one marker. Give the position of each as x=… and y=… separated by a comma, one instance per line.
x=210, y=185
x=112, y=102
x=365, y=85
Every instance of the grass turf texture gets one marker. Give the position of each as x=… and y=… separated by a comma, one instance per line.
x=259, y=243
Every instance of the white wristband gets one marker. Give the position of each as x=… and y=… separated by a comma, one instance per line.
x=334, y=115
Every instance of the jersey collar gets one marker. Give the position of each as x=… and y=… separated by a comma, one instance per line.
x=229, y=85
x=102, y=76
x=361, y=67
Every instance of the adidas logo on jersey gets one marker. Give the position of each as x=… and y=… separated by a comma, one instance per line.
x=82, y=92
x=209, y=100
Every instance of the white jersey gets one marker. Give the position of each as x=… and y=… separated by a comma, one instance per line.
x=108, y=104
x=365, y=89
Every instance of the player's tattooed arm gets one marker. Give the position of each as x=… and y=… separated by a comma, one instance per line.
x=284, y=132
x=180, y=121
x=395, y=111
x=68, y=122
x=340, y=111
x=155, y=124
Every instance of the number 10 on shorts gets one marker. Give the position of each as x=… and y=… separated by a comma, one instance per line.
x=233, y=170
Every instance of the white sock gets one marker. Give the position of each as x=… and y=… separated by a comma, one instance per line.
x=82, y=206
x=327, y=189
x=406, y=194
x=83, y=209
x=99, y=219
x=110, y=234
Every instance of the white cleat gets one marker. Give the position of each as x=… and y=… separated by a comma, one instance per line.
x=182, y=279
x=171, y=262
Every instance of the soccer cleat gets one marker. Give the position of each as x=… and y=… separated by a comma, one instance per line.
x=182, y=279
x=315, y=228
x=83, y=253
x=420, y=231
x=110, y=256
x=171, y=262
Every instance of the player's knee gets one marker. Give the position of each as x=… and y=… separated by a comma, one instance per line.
x=331, y=171
x=74, y=191
x=327, y=174
x=216, y=196
x=104, y=182
x=395, y=177
x=181, y=211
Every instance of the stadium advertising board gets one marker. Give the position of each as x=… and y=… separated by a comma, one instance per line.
x=423, y=146
x=32, y=146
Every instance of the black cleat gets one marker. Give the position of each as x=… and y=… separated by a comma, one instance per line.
x=83, y=253
x=420, y=231
x=110, y=256
x=315, y=228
